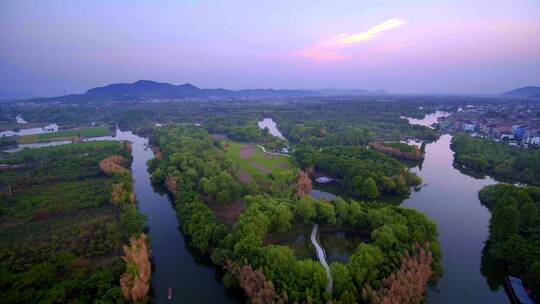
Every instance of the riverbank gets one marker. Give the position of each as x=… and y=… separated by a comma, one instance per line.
x=451, y=201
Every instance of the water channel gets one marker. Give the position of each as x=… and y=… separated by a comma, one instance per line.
x=450, y=199
x=192, y=279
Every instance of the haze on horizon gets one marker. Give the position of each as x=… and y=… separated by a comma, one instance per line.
x=452, y=47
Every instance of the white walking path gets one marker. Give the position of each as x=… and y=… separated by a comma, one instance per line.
x=272, y=153
x=321, y=255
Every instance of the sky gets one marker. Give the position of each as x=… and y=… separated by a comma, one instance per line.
x=427, y=47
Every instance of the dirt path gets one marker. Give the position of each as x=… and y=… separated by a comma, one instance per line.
x=272, y=153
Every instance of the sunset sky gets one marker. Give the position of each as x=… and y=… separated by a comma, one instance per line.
x=448, y=47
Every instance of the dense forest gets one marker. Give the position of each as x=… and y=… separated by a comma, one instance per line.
x=404, y=253
x=314, y=121
x=515, y=229
x=364, y=172
x=65, y=213
x=500, y=159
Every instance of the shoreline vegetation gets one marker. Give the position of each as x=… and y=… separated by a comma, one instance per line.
x=514, y=230
x=64, y=220
x=498, y=159
x=192, y=167
x=364, y=172
x=398, y=150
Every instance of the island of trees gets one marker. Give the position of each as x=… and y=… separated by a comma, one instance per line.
x=402, y=257
x=364, y=172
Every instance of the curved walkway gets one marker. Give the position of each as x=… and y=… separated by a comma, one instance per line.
x=272, y=153
x=321, y=255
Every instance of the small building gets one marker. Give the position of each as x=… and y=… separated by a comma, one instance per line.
x=519, y=131
x=507, y=136
x=532, y=139
x=51, y=128
x=468, y=126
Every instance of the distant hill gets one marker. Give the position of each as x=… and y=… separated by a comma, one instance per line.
x=145, y=89
x=530, y=91
x=349, y=92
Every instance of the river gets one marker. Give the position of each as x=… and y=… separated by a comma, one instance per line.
x=192, y=279
x=271, y=125
x=451, y=200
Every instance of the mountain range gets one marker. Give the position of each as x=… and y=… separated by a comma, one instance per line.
x=147, y=89
x=530, y=91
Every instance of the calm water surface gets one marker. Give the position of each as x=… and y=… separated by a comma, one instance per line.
x=272, y=127
x=428, y=120
x=192, y=280
x=451, y=200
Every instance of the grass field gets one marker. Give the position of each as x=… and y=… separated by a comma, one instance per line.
x=252, y=160
x=65, y=135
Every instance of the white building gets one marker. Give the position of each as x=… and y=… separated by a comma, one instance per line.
x=468, y=126
x=532, y=139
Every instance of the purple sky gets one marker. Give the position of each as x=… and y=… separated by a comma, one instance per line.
x=461, y=46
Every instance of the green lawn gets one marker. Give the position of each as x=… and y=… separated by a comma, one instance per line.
x=273, y=164
x=66, y=135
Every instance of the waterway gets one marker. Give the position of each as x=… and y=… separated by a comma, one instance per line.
x=271, y=125
x=451, y=200
x=429, y=120
x=193, y=279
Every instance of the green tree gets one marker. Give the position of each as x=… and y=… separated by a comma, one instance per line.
x=306, y=208
x=504, y=222
x=343, y=286
x=528, y=215
x=364, y=264
x=368, y=188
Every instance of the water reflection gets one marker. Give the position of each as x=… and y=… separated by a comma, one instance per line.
x=429, y=120
x=451, y=201
x=192, y=277
x=340, y=245
x=271, y=125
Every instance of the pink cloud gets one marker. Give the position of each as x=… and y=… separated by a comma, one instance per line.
x=329, y=49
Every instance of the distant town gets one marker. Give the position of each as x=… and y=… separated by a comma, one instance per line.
x=516, y=123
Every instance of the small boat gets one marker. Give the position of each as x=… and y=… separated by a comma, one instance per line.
x=169, y=294
x=517, y=292
x=425, y=184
